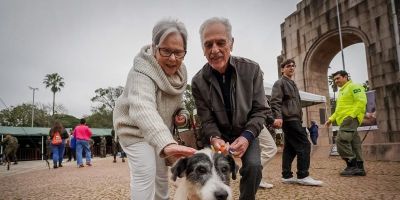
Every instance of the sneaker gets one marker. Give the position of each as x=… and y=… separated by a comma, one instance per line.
x=309, y=181
x=88, y=164
x=81, y=165
x=266, y=185
x=289, y=180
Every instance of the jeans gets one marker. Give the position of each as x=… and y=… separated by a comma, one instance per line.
x=82, y=145
x=251, y=171
x=296, y=143
x=58, y=152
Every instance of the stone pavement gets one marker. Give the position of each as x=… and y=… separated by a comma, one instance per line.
x=107, y=180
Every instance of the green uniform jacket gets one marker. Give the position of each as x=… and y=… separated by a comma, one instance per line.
x=351, y=102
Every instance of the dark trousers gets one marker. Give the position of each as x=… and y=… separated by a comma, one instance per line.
x=251, y=171
x=314, y=139
x=296, y=144
x=70, y=153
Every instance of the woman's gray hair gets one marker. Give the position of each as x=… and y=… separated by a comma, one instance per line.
x=167, y=26
x=222, y=20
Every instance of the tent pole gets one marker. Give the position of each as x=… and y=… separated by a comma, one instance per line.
x=1, y=149
x=42, y=147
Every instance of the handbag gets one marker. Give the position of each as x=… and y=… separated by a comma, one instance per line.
x=189, y=137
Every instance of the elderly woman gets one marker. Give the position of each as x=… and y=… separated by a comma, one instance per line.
x=143, y=114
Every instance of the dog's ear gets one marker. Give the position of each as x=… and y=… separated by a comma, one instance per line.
x=234, y=167
x=179, y=168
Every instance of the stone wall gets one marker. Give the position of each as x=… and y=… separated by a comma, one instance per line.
x=310, y=36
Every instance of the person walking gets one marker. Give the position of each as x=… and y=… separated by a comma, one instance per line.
x=58, y=135
x=349, y=113
x=72, y=144
x=103, y=147
x=82, y=134
x=230, y=101
x=68, y=148
x=11, y=146
x=286, y=108
x=313, y=129
x=143, y=114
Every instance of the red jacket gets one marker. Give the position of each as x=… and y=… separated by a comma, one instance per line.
x=82, y=132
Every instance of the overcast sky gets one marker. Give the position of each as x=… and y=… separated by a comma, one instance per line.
x=91, y=44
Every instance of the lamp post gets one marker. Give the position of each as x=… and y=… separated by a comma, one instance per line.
x=340, y=33
x=33, y=102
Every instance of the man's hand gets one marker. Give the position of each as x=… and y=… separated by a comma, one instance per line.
x=328, y=123
x=239, y=146
x=278, y=123
x=220, y=145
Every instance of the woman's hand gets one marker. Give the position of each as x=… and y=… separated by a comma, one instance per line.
x=178, y=151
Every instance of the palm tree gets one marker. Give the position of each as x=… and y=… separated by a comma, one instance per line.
x=55, y=82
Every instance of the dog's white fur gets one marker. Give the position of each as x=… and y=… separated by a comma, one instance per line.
x=195, y=190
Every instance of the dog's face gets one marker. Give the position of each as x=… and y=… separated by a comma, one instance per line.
x=207, y=175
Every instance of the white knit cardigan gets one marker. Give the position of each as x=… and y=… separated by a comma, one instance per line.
x=144, y=110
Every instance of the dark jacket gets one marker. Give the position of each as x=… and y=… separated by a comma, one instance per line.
x=285, y=100
x=247, y=100
x=313, y=129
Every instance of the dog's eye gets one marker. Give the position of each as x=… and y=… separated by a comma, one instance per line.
x=201, y=170
x=224, y=169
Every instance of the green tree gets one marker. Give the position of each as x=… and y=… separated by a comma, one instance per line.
x=68, y=121
x=55, y=82
x=100, y=118
x=21, y=116
x=107, y=97
x=188, y=99
x=366, y=85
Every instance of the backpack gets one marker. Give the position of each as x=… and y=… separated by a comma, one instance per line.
x=56, y=139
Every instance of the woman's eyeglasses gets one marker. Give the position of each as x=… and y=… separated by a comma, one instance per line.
x=165, y=52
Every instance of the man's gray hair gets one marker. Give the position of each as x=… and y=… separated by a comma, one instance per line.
x=214, y=20
x=167, y=26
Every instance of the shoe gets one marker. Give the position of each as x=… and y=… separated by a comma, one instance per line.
x=360, y=169
x=351, y=168
x=114, y=161
x=265, y=185
x=88, y=164
x=81, y=165
x=55, y=167
x=291, y=180
x=309, y=181
x=60, y=165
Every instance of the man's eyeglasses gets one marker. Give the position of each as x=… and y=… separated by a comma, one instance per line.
x=290, y=65
x=164, y=52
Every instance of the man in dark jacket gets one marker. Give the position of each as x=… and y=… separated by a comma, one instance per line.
x=286, y=107
x=229, y=97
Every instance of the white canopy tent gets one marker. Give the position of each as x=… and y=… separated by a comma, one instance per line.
x=307, y=99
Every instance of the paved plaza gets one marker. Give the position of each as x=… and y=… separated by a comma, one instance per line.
x=107, y=180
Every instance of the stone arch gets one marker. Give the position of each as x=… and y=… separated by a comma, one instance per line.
x=318, y=58
x=310, y=37
x=321, y=53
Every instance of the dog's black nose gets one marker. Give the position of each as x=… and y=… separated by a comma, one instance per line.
x=221, y=195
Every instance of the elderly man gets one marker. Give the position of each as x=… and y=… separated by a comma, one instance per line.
x=229, y=97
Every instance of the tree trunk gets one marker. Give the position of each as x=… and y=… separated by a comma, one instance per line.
x=54, y=101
